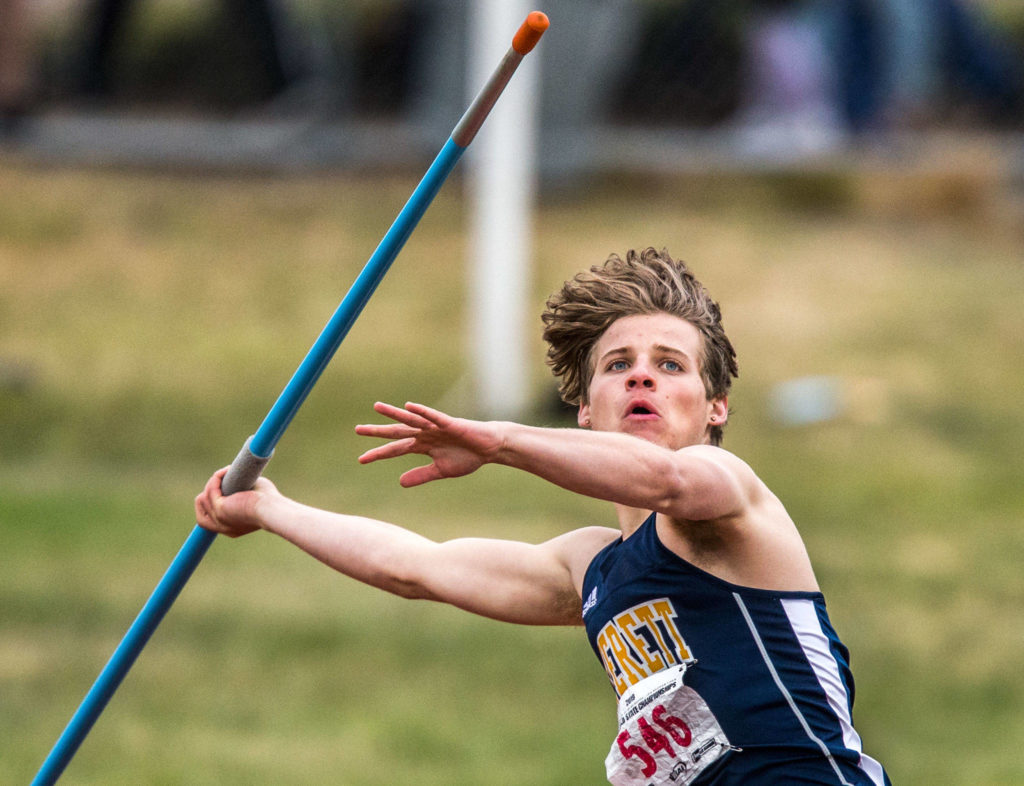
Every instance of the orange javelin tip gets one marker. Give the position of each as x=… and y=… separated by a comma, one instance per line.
x=530, y=31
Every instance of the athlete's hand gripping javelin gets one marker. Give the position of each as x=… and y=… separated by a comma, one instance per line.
x=237, y=514
x=456, y=446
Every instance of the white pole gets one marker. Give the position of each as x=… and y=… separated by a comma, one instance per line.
x=501, y=190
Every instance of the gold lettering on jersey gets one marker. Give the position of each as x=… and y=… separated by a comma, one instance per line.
x=641, y=641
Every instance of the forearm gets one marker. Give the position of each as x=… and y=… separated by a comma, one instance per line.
x=371, y=551
x=504, y=580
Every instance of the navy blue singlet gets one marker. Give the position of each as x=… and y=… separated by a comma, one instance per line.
x=768, y=664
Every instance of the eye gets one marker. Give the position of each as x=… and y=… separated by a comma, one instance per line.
x=672, y=365
x=618, y=365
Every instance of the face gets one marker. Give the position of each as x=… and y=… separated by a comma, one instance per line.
x=647, y=383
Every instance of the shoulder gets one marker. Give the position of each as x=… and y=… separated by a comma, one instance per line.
x=740, y=531
x=583, y=543
x=576, y=549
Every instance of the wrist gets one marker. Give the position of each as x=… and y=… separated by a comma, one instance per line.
x=504, y=449
x=269, y=509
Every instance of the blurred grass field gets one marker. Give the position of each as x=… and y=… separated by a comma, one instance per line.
x=147, y=321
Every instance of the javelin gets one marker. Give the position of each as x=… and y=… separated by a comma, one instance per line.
x=258, y=449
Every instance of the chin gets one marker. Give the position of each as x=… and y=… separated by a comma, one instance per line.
x=669, y=441
x=649, y=433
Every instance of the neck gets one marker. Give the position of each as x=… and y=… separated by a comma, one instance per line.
x=630, y=519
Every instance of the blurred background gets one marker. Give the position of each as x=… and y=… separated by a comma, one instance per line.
x=187, y=189
x=727, y=80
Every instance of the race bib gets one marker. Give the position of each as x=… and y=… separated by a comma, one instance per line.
x=667, y=734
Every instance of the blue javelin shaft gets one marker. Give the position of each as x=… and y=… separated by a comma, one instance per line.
x=124, y=656
x=309, y=371
x=256, y=452
x=261, y=446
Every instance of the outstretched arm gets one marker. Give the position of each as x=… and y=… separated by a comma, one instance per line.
x=759, y=545
x=505, y=580
x=695, y=484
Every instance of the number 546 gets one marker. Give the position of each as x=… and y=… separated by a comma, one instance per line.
x=655, y=741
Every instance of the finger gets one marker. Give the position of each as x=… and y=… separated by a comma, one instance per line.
x=200, y=506
x=213, y=484
x=212, y=488
x=265, y=485
x=420, y=475
x=402, y=447
x=401, y=415
x=205, y=517
x=429, y=414
x=213, y=526
x=388, y=431
x=204, y=500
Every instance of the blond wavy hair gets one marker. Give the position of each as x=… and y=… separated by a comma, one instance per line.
x=645, y=282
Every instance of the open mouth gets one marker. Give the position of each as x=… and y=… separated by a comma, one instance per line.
x=640, y=410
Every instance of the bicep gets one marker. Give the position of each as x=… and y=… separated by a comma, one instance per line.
x=508, y=580
x=708, y=484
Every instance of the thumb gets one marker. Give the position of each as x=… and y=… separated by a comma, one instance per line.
x=420, y=475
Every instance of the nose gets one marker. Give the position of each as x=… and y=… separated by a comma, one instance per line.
x=640, y=376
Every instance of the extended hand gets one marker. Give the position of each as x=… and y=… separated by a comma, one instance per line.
x=456, y=446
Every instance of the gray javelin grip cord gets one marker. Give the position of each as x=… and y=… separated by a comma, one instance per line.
x=245, y=470
x=258, y=449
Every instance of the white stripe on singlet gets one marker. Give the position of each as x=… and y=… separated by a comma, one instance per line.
x=803, y=617
x=785, y=692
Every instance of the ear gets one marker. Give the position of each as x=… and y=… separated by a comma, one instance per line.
x=719, y=411
x=583, y=416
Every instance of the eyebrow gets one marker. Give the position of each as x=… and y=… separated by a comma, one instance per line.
x=663, y=349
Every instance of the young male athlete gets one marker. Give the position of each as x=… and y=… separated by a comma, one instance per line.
x=702, y=605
